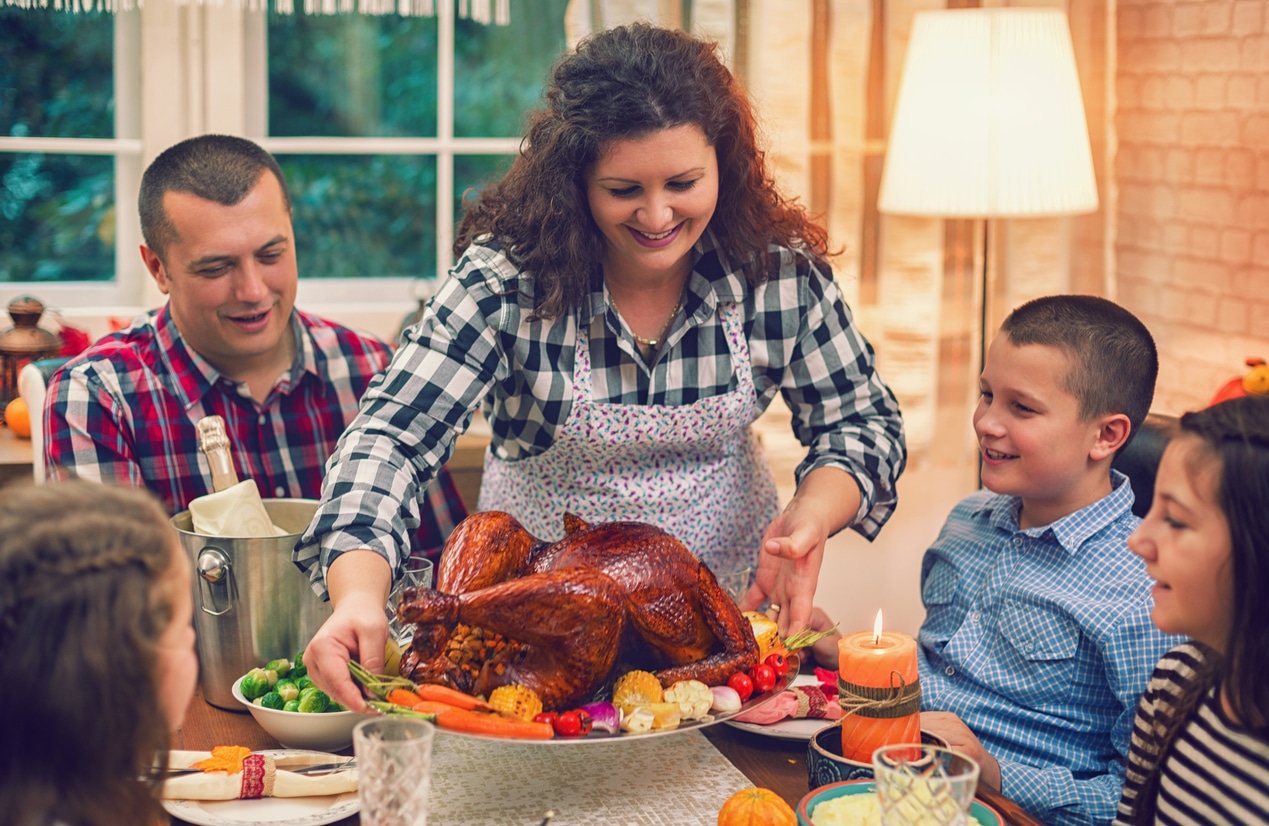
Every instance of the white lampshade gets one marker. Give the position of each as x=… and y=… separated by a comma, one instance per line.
x=989, y=121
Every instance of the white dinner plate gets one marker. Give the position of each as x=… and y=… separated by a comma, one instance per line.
x=267, y=811
x=788, y=729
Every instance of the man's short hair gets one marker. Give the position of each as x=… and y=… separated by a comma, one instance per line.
x=219, y=168
x=1114, y=362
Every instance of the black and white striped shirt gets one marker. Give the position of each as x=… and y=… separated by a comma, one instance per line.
x=1216, y=772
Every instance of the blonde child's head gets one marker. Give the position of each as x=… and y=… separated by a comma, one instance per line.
x=97, y=656
x=1065, y=384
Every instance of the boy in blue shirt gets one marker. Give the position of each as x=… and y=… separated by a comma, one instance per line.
x=1037, y=639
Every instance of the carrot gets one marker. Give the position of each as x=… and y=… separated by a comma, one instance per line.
x=451, y=718
x=403, y=697
x=451, y=696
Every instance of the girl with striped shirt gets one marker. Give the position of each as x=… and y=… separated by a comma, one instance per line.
x=1200, y=743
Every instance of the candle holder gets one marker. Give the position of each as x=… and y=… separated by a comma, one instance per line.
x=23, y=343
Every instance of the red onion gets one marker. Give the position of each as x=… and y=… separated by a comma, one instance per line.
x=606, y=717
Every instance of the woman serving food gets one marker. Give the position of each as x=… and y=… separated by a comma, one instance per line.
x=629, y=298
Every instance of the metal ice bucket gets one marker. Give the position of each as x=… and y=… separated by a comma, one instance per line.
x=251, y=604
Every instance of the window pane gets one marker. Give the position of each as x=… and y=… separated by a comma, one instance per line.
x=57, y=217
x=500, y=70
x=363, y=215
x=56, y=74
x=472, y=172
x=352, y=75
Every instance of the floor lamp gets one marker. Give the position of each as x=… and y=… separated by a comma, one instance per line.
x=989, y=123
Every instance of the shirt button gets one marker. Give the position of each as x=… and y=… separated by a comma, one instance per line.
x=974, y=617
x=949, y=671
x=1017, y=541
x=260, y=421
x=279, y=491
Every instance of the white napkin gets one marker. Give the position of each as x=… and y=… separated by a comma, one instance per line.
x=235, y=511
x=274, y=782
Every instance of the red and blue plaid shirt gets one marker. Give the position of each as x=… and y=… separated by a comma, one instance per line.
x=125, y=411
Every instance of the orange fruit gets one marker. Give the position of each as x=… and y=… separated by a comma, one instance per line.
x=17, y=418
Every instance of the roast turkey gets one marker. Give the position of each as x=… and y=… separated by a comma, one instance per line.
x=611, y=594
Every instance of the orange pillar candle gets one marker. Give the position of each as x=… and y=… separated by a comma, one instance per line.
x=877, y=678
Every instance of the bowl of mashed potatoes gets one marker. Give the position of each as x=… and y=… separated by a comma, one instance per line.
x=854, y=803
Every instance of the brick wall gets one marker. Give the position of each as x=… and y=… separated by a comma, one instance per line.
x=1192, y=251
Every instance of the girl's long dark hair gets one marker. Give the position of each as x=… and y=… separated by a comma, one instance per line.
x=79, y=625
x=1235, y=434
x=618, y=84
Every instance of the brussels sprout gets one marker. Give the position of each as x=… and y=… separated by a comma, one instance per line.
x=298, y=668
x=305, y=682
x=291, y=705
x=288, y=689
x=313, y=701
x=280, y=666
x=334, y=706
x=255, y=684
x=271, y=700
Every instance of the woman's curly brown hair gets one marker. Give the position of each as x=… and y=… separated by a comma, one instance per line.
x=620, y=84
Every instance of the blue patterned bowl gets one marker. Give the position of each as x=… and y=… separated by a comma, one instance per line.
x=825, y=764
x=980, y=813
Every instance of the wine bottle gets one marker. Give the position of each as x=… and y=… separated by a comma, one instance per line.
x=234, y=508
x=213, y=440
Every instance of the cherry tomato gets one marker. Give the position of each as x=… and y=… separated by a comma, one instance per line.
x=778, y=663
x=546, y=717
x=587, y=723
x=568, y=724
x=743, y=685
x=763, y=676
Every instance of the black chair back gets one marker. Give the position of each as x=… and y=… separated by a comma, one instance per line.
x=1139, y=461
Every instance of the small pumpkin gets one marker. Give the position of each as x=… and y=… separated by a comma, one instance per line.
x=756, y=807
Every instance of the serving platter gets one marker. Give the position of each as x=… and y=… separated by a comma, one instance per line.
x=273, y=811
x=605, y=737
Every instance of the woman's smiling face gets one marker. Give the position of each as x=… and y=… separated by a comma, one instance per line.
x=652, y=198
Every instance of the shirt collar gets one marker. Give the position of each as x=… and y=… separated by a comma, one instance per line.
x=1072, y=530
x=192, y=376
x=711, y=282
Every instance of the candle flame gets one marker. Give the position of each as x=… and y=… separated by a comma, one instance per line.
x=876, y=630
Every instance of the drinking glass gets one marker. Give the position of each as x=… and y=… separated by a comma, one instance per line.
x=394, y=770
x=418, y=574
x=736, y=583
x=922, y=784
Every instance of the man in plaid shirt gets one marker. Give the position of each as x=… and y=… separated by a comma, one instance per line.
x=229, y=342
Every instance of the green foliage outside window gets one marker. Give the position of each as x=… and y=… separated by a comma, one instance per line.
x=328, y=76
x=57, y=212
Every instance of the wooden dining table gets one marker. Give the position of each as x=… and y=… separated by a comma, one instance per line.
x=768, y=762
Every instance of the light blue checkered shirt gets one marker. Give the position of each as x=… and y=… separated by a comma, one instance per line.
x=1040, y=640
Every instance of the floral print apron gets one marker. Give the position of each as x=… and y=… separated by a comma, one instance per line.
x=697, y=471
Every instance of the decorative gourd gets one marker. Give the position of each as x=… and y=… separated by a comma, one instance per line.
x=1254, y=383
x=756, y=807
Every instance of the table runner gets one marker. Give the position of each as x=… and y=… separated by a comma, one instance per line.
x=673, y=779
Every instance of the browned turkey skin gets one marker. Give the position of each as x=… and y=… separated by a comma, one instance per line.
x=613, y=592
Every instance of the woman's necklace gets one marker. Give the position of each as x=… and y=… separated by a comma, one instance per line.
x=654, y=342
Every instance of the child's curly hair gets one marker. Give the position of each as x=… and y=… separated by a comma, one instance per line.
x=79, y=623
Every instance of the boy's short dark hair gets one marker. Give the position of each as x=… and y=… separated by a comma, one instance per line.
x=1114, y=362
x=219, y=168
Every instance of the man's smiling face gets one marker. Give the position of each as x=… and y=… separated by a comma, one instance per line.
x=230, y=274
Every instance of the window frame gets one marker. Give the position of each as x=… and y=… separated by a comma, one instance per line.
x=187, y=70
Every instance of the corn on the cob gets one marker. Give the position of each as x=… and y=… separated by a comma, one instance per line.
x=636, y=688
x=516, y=701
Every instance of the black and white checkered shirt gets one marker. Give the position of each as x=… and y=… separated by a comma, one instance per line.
x=477, y=345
